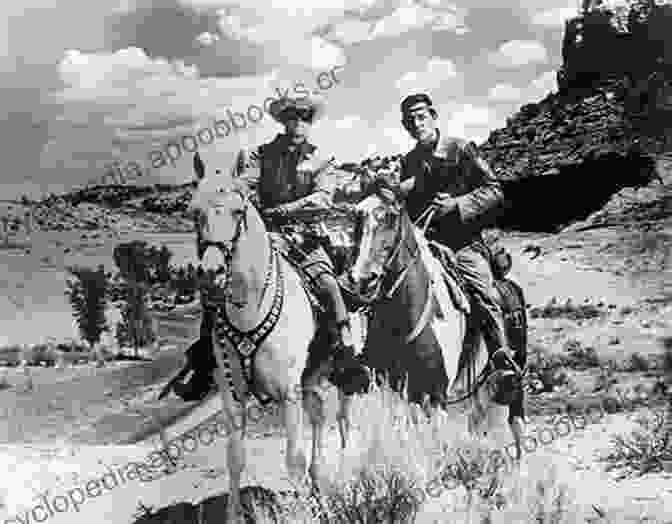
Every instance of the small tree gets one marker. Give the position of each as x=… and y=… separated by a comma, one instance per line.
x=164, y=264
x=134, y=260
x=87, y=294
x=135, y=328
x=667, y=366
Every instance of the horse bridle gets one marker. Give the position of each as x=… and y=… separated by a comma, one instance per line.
x=378, y=294
x=226, y=248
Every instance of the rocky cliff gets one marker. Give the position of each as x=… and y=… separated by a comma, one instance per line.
x=562, y=158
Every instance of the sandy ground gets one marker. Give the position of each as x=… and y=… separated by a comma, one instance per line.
x=625, y=270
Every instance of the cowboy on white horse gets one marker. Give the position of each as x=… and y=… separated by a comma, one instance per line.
x=289, y=176
x=448, y=174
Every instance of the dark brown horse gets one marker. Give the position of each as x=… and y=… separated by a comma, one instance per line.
x=419, y=321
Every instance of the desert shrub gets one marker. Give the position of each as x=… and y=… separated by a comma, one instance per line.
x=638, y=362
x=11, y=355
x=579, y=356
x=39, y=354
x=374, y=496
x=643, y=450
x=606, y=377
x=573, y=312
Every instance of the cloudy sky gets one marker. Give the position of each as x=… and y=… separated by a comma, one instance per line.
x=87, y=83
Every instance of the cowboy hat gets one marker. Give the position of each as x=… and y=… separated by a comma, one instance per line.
x=308, y=102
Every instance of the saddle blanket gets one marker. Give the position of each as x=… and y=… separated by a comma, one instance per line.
x=448, y=328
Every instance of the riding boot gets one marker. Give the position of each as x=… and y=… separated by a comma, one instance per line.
x=507, y=374
x=349, y=373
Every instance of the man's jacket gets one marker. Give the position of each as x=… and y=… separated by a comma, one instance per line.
x=280, y=172
x=453, y=166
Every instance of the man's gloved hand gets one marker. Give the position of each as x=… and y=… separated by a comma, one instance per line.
x=384, y=188
x=445, y=203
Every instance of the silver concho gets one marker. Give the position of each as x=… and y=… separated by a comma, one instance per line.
x=246, y=347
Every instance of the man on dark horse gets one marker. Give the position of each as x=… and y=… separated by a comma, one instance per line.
x=448, y=173
x=289, y=175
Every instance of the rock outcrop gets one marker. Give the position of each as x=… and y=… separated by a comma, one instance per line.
x=561, y=159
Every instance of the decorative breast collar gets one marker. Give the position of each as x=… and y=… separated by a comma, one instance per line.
x=246, y=343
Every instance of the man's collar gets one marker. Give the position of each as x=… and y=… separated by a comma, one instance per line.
x=433, y=147
x=284, y=143
x=443, y=148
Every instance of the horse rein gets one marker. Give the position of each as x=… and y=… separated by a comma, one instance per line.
x=228, y=250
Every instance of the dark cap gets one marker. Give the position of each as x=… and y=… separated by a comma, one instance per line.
x=412, y=100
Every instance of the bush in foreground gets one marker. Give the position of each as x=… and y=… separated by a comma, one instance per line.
x=643, y=450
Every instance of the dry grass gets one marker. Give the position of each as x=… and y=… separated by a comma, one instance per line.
x=397, y=451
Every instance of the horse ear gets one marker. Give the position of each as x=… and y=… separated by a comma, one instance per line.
x=199, y=167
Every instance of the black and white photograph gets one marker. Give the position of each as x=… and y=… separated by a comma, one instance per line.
x=353, y=261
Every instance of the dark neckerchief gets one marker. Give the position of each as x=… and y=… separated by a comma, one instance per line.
x=284, y=145
x=428, y=149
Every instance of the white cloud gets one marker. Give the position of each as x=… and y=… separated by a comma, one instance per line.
x=352, y=138
x=505, y=93
x=437, y=71
x=348, y=122
x=554, y=17
x=321, y=54
x=395, y=140
x=350, y=31
x=536, y=90
x=207, y=39
x=469, y=122
x=543, y=84
x=411, y=16
x=85, y=71
x=517, y=53
x=344, y=138
x=285, y=32
x=126, y=104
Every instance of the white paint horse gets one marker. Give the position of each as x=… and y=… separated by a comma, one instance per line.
x=416, y=330
x=263, y=328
